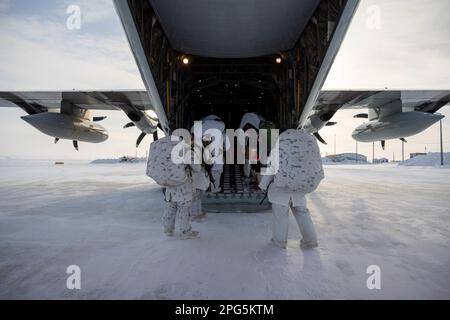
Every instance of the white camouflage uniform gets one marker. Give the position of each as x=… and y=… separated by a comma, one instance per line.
x=253, y=119
x=283, y=197
x=282, y=200
x=200, y=184
x=178, y=204
x=214, y=122
x=196, y=207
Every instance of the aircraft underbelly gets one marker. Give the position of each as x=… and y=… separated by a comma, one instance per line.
x=233, y=28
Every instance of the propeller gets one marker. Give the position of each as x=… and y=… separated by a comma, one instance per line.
x=129, y=125
x=331, y=123
x=142, y=135
x=97, y=119
x=383, y=144
x=140, y=138
x=362, y=116
x=318, y=137
x=75, y=143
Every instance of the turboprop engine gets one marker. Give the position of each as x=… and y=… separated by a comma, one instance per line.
x=315, y=123
x=62, y=126
x=396, y=126
x=144, y=121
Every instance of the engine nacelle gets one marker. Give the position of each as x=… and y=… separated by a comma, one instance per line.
x=62, y=126
x=143, y=121
x=395, y=126
x=314, y=124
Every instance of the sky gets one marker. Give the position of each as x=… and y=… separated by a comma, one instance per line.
x=395, y=44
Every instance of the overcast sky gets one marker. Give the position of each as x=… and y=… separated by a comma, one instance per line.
x=408, y=47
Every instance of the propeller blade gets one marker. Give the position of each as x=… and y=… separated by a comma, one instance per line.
x=403, y=140
x=329, y=124
x=75, y=144
x=129, y=125
x=97, y=119
x=139, y=140
x=155, y=135
x=383, y=144
x=56, y=140
x=318, y=137
x=362, y=116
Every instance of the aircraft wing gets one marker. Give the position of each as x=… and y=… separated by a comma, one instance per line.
x=391, y=114
x=385, y=102
x=39, y=101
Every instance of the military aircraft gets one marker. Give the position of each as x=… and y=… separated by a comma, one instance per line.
x=228, y=58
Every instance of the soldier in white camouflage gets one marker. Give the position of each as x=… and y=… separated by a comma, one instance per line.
x=178, y=206
x=299, y=172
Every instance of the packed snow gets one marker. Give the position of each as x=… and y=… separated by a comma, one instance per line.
x=106, y=219
x=432, y=159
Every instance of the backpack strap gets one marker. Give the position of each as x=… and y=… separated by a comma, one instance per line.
x=266, y=194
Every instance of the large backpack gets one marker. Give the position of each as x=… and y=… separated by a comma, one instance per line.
x=300, y=164
x=160, y=166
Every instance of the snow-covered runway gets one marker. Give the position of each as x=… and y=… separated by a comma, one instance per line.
x=106, y=219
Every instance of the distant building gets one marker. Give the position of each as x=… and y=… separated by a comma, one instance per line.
x=348, y=158
x=413, y=155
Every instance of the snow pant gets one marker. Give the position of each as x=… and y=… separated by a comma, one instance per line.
x=247, y=168
x=281, y=224
x=217, y=176
x=196, y=208
x=174, y=210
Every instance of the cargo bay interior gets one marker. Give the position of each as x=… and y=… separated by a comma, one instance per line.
x=199, y=72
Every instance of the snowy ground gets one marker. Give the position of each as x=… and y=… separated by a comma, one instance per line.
x=432, y=159
x=106, y=219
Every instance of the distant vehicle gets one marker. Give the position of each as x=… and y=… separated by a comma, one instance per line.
x=381, y=160
x=417, y=154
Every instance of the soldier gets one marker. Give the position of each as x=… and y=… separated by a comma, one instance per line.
x=214, y=123
x=176, y=177
x=201, y=183
x=299, y=173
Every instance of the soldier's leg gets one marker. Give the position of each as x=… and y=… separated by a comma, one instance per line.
x=199, y=203
x=184, y=220
x=247, y=168
x=217, y=176
x=306, y=226
x=280, y=225
x=195, y=210
x=197, y=213
x=169, y=217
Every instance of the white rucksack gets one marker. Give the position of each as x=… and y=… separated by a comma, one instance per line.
x=160, y=166
x=300, y=163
